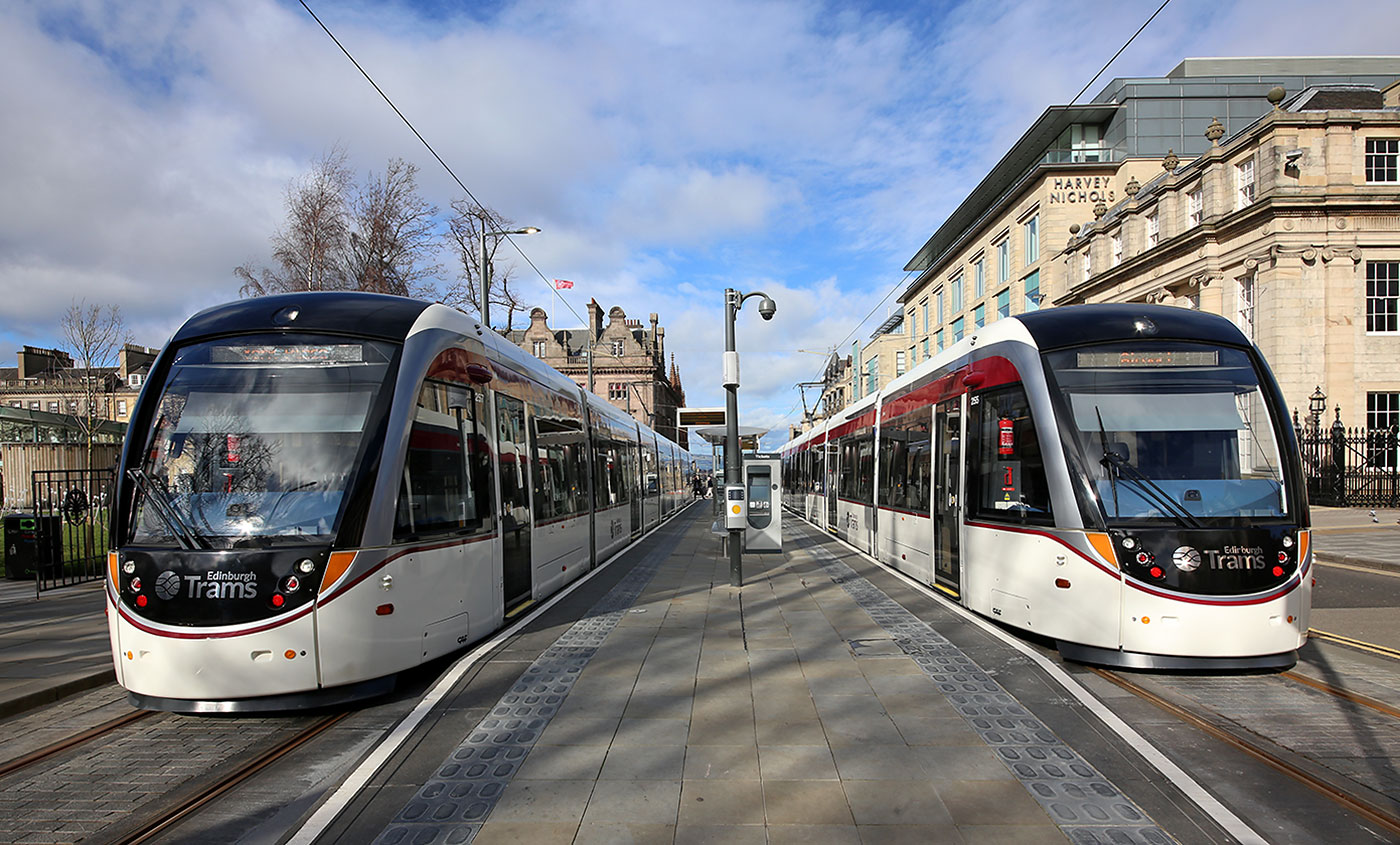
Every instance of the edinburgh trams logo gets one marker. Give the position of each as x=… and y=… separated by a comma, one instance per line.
x=1188, y=559
x=210, y=585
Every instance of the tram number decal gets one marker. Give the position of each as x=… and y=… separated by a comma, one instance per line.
x=615, y=528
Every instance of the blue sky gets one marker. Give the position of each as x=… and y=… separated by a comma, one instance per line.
x=666, y=150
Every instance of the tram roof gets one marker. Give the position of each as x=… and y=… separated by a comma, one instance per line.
x=354, y=312
x=1074, y=325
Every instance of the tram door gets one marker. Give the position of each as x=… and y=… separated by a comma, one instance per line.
x=832, y=478
x=513, y=450
x=947, y=493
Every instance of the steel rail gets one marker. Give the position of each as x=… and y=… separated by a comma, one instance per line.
x=1354, y=803
x=40, y=755
x=1327, y=636
x=187, y=805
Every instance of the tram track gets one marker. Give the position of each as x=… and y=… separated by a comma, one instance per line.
x=1316, y=777
x=77, y=740
x=185, y=802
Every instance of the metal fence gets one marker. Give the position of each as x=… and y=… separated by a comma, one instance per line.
x=72, y=510
x=1350, y=467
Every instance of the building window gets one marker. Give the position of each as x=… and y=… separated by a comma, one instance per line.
x=134, y=379
x=1032, y=292
x=53, y=407
x=957, y=329
x=979, y=316
x=1245, y=317
x=980, y=278
x=937, y=308
x=872, y=374
x=1154, y=229
x=16, y=403
x=1195, y=208
x=617, y=348
x=955, y=293
x=1117, y=247
x=940, y=344
x=72, y=406
x=914, y=322
x=1086, y=265
x=1383, y=297
x=539, y=348
x=1004, y=260
x=1383, y=159
x=899, y=365
x=1244, y=183
x=1031, y=230
x=926, y=326
x=1004, y=303
x=121, y=407
x=617, y=391
x=1382, y=424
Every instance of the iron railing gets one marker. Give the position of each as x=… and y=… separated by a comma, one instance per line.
x=74, y=504
x=1350, y=467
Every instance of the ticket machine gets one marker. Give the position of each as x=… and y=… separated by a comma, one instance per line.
x=762, y=483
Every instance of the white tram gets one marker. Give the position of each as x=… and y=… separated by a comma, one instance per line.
x=1121, y=479
x=321, y=490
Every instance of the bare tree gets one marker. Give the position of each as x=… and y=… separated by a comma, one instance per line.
x=95, y=335
x=464, y=233
x=310, y=248
x=393, y=236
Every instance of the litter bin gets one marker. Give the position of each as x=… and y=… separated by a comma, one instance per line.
x=32, y=542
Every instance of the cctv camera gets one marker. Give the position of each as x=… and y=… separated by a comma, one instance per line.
x=767, y=308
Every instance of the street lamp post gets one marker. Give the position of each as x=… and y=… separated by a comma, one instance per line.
x=733, y=467
x=486, y=265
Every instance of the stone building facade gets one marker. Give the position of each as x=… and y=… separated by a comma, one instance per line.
x=1003, y=250
x=47, y=381
x=1290, y=228
x=629, y=363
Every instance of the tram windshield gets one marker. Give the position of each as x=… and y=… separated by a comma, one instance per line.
x=1176, y=432
x=254, y=440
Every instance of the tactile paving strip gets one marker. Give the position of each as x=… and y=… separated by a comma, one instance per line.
x=1088, y=808
x=453, y=805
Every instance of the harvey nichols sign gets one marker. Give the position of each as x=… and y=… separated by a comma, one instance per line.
x=1085, y=189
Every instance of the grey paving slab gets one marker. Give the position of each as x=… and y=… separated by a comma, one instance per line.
x=806, y=705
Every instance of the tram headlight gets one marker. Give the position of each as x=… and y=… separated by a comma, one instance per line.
x=129, y=568
x=1288, y=541
x=1129, y=543
x=306, y=566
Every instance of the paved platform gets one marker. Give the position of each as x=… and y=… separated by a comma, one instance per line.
x=824, y=701
x=51, y=646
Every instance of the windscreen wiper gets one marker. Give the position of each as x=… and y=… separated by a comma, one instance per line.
x=162, y=508
x=1117, y=464
x=1108, y=461
x=1156, y=495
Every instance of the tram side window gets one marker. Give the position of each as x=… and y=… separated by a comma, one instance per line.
x=865, y=472
x=446, y=486
x=560, y=467
x=610, y=474
x=905, y=463
x=1006, y=468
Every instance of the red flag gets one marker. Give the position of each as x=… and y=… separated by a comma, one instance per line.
x=563, y=284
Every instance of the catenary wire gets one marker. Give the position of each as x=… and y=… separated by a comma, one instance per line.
x=485, y=222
